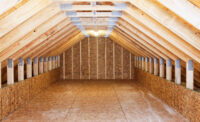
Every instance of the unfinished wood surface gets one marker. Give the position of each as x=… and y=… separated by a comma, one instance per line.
x=68, y=63
x=101, y=58
x=76, y=61
x=84, y=59
x=98, y=58
x=109, y=58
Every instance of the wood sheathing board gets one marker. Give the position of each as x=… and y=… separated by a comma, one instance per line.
x=184, y=100
x=132, y=68
x=76, y=61
x=98, y=58
x=68, y=64
x=93, y=58
x=61, y=66
x=118, y=61
x=109, y=59
x=84, y=59
x=18, y=94
x=101, y=58
x=126, y=64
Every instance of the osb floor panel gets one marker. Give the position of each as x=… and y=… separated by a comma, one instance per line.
x=95, y=101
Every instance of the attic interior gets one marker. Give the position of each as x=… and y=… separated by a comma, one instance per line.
x=100, y=60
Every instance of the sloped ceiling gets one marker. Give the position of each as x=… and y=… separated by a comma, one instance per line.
x=156, y=28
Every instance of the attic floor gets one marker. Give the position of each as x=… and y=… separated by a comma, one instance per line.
x=83, y=101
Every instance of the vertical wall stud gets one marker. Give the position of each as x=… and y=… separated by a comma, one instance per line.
x=162, y=68
x=64, y=65
x=147, y=64
x=45, y=64
x=29, y=68
x=49, y=64
x=140, y=62
x=178, y=71
x=35, y=66
x=169, y=70
x=59, y=61
x=155, y=66
x=56, y=61
x=190, y=75
x=151, y=65
x=20, y=69
x=41, y=65
x=53, y=62
x=135, y=59
x=143, y=63
x=10, y=72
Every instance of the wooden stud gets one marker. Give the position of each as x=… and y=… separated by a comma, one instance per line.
x=46, y=64
x=151, y=65
x=190, y=75
x=140, y=62
x=135, y=59
x=162, y=68
x=143, y=63
x=41, y=65
x=20, y=69
x=29, y=68
x=49, y=64
x=169, y=70
x=64, y=65
x=147, y=64
x=155, y=66
x=53, y=62
x=35, y=66
x=59, y=61
x=10, y=72
x=178, y=72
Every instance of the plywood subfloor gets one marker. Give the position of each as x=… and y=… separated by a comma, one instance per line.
x=91, y=101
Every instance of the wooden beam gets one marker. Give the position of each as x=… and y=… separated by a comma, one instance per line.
x=164, y=33
x=29, y=67
x=170, y=21
x=20, y=69
x=21, y=14
x=41, y=65
x=91, y=8
x=35, y=66
x=155, y=66
x=195, y=2
x=48, y=36
x=169, y=69
x=151, y=65
x=163, y=52
x=67, y=45
x=18, y=38
x=127, y=44
x=147, y=31
x=58, y=42
x=50, y=63
x=190, y=75
x=135, y=42
x=10, y=72
x=184, y=9
x=51, y=41
x=142, y=42
x=45, y=64
x=178, y=72
x=162, y=68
